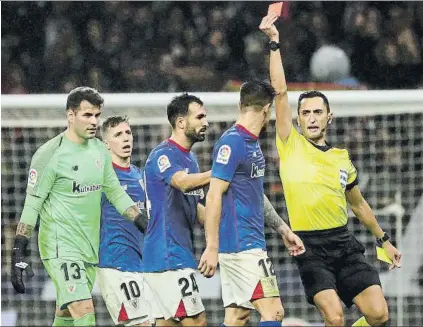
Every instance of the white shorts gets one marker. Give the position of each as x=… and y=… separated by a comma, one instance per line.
x=175, y=294
x=246, y=276
x=125, y=295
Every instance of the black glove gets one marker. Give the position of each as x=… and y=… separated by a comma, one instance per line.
x=141, y=221
x=20, y=263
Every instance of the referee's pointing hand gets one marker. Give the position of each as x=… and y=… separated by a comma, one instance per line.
x=208, y=262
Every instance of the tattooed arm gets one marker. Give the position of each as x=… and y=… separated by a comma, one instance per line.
x=273, y=220
x=292, y=242
x=138, y=216
x=24, y=230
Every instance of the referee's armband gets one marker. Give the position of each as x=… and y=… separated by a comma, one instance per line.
x=352, y=184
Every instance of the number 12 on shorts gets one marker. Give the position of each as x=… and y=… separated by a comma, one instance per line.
x=267, y=267
x=184, y=282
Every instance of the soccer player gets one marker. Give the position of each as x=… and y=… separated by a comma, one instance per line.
x=174, y=188
x=235, y=217
x=66, y=179
x=318, y=181
x=119, y=274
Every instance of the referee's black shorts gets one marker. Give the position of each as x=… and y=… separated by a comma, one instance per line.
x=334, y=259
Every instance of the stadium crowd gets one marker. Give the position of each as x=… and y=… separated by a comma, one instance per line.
x=165, y=46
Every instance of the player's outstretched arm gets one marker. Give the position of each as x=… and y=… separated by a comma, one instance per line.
x=187, y=182
x=209, y=259
x=292, y=242
x=277, y=77
x=362, y=210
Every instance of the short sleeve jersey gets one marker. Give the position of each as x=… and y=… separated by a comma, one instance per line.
x=238, y=159
x=314, y=181
x=168, y=242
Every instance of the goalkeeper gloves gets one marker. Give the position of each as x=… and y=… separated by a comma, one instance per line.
x=20, y=263
x=141, y=221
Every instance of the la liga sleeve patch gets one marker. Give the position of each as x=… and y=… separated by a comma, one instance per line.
x=224, y=154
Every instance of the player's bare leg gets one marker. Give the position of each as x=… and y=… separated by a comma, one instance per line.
x=82, y=312
x=270, y=309
x=373, y=306
x=62, y=318
x=160, y=322
x=236, y=316
x=329, y=304
x=197, y=320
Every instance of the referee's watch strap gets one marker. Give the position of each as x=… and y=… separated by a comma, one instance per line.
x=383, y=239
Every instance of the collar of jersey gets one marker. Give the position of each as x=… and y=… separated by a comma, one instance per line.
x=246, y=131
x=180, y=147
x=323, y=148
x=121, y=168
x=71, y=143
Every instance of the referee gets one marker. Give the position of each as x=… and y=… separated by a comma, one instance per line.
x=318, y=181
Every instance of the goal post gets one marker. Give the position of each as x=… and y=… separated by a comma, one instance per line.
x=381, y=129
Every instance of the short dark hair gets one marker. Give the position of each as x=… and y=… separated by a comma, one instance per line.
x=313, y=94
x=79, y=94
x=113, y=121
x=179, y=107
x=256, y=93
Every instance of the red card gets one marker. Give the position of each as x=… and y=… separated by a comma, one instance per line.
x=276, y=8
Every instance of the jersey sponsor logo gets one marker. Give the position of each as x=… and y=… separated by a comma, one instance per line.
x=256, y=171
x=32, y=177
x=78, y=188
x=163, y=163
x=199, y=192
x=343, y=177
x=224, y=154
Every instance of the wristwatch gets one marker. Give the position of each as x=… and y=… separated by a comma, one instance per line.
x=383, y=239
x=273, y=45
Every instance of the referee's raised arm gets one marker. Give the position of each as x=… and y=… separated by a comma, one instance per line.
x=277, y=76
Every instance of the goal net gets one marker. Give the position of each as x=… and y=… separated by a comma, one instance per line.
x=381, y=129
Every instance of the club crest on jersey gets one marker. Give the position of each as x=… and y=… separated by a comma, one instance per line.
x=343, y=177
x=32, y=177
x=97, y=163
x=163, y=163
x=256, y=171
x=224, y=154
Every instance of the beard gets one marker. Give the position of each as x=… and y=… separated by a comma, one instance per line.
x=194, y=136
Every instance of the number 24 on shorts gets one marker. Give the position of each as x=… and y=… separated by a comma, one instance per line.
x=184, y=282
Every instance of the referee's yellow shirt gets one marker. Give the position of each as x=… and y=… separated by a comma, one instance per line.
x=314, y=183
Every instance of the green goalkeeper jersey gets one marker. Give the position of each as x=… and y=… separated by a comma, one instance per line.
x=65, y=184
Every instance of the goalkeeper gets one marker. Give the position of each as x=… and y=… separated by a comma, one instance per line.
x=66, y=179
